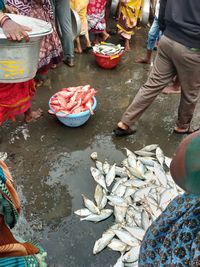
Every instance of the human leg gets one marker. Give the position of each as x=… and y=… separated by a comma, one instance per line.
x=162, y=73
x=173, y=88
x=187, y=64
x=63, y=16
x=153, y=35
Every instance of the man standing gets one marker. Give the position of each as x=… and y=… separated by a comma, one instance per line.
x=63, y=18
x=178, y=53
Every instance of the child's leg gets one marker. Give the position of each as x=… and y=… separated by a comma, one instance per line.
x=87, y=38
x=78, y=46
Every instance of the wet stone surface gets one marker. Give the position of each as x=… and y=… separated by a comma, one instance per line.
x=51, y=163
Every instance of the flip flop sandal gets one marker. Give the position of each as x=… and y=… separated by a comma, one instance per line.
x=190, y=130
x=88, y=50
x=121, y=132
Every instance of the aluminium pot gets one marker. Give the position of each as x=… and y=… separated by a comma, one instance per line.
x=19, y=60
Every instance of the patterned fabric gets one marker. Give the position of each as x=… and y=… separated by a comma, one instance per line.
x=174, y=238
x=15, y=99
x=130, y=13
x=51, y=49
x=80, y=6
x=96, y=15
x=12, y=252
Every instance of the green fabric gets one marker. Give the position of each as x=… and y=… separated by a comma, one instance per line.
x=192, y=166
x=2, y=6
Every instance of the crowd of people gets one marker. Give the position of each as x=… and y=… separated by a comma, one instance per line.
x=176, y=26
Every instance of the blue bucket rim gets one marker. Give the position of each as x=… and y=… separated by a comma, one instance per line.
x=83, y=113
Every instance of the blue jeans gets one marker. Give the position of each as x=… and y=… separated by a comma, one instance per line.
x=63, y=18
x=153, y=35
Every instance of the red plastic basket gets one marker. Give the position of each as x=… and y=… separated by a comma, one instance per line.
x=108, y=62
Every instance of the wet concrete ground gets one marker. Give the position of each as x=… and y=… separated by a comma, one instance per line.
x=51, y=162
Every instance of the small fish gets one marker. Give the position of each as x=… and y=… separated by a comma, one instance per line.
x=110, y=176
x=90, y=205
x=150, y=148
x=117, y=245
x=144, y=153
x=83, y=212
x=103, y=201
x=101, y=243
x=106, y=167
x=99, y=165
x=127, y=238
x=120, y=181
x=98, y=177
x=98, y=195
x=104, y=214
x=119, y=213
x=132, y=255
x=136, y=232
x=160, y=155
x=116, y=200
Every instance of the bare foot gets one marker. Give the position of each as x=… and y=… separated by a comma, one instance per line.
x=122, y=125
x=38, y=83
x=78, y=50
x=171, y=89
x=54, y=66
x=127, y=45
x=105, y=36
x=143, y=61
x=32, y=115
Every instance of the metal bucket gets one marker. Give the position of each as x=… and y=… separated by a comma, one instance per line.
x=19, y=60
x=145, y=12
x=113, y=8
x=76, y=24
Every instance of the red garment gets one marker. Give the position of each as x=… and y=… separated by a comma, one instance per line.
x=15, y=99
x=96, y=15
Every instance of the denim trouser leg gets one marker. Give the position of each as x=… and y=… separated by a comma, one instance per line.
x=153, y=34
x=63, y=17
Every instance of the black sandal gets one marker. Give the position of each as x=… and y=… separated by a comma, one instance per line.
x=88, y=50
x=118, y=132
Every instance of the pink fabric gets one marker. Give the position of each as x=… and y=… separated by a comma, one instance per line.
x=96, y=15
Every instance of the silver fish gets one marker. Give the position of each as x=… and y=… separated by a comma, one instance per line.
x=98, y=195
x=90, y=205
x=127, y=238
x=136, y=232
x=132, y=255
x=104, y=214
x=144, y=153
x=149, y=148
x=106, y=167
x=110, y=176
x=103, y=201
x=83, y=212
x=101, y=243
x=117, y=245
x=99, y=165
x=119, y=213
x=160, y=155
x=120, y=191
x=98, y=177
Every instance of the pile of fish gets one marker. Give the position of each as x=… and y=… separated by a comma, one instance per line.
x=73, y=100
x=137, y=191
x=108, y=49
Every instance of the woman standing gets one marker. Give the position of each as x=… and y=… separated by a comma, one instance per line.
x=130, y=14
x=80, y=6
x=96, y=19
x=51, y=51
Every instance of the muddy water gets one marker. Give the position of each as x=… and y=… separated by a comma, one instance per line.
x=50, y=162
